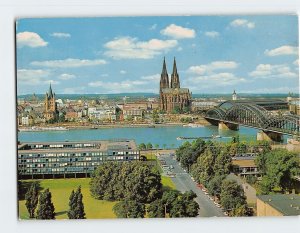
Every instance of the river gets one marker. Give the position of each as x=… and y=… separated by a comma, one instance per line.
x=163, y=136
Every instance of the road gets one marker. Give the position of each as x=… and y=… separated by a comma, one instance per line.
x=184, y=182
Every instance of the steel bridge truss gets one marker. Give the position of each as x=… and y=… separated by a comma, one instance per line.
x=253, y=115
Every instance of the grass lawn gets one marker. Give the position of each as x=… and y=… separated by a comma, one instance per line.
x=167, y=183
x=61, y=189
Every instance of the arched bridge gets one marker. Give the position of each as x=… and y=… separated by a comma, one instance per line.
x=254, y=115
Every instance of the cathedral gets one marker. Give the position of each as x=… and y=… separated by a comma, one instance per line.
x=50, y=112
x=171, y=96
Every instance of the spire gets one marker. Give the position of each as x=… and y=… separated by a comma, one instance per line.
x=164, y=78
x=175, y=83
x=174, y=67
x=164, y=70
x=50, y=93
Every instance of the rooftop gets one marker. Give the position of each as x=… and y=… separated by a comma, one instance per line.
x=98, y=145
x=287, y=204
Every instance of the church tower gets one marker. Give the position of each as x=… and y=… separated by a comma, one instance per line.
x=50, y=112
x=175, y=83
x=164, y=77
x=234, y=95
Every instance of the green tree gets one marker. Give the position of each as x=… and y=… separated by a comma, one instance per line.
x=129, y=209
x=46, y=207
x=76, y=210
x=280, y=168
x=155, y=116
x=214, y=185
x=180, y=204
x=156, y=209
x=232, y=195
x=133, y=181
x=142, y=146
x=149, y=145
x=239, y=211
x=31, y=198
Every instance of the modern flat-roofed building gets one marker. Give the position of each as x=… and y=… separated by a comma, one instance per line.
x=71, y=159
x=278, y=205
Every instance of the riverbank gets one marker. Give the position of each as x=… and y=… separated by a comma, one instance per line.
x=62, y=127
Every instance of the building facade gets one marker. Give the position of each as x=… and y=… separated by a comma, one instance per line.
x=50, y=112
x=171, y=95
x=278, y=205
x=71, y=159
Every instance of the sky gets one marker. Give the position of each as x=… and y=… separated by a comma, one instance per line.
x=214, y=54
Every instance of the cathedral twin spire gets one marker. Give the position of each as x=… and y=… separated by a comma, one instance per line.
x=164, y=80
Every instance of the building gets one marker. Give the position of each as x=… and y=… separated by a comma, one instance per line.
x=71, y=159
x=171, y=95
x=278, y=205
x=244, y=164
x=50, y=112
x=234, y=95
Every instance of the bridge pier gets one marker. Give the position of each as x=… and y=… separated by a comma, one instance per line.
x=269, y=136
x=226, y=126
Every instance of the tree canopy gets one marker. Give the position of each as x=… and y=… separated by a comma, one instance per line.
x=76, y=207
x=46, y=207
x=129, y=209
x=31, y=198
x=132, y=181
x=278, y=168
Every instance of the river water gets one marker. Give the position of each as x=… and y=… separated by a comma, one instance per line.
x=163, y=136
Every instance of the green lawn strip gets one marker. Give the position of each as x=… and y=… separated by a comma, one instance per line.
x=61, y=189
x=167, y=183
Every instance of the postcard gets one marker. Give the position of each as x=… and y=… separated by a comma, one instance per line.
x=158, y=117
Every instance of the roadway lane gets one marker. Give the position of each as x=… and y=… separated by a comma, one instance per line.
x=183, y=182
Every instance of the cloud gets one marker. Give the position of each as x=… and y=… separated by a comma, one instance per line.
x=30, y=39
x=123, y=71
x=179, y=49
x=132, y=48
x=34, y=77
x=143, y=84
x=266, y=71
x=68, y=63
x=66, y=76
x=216, y=65
x=60, y=35
x=153, y=27
x=212, y=34
x=296, y=62
x=283, y=50
x=211, y=81
x=242, y=23
x=178, y=32
x=155, y=77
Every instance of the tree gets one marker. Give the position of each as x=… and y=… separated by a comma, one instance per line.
x=214, y=185
x=239, y=211
x=31, y=198
x=155, y=116
x=232, y=195
x=132, y=181
x=149, y=145
x=280, y=167
x=46, y=207
x=142, y=146
x=76, y=210
x=129, y=209
x=180, y=205
x=156, y=209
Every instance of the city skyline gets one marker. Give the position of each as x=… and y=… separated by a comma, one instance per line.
x=215, y=54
